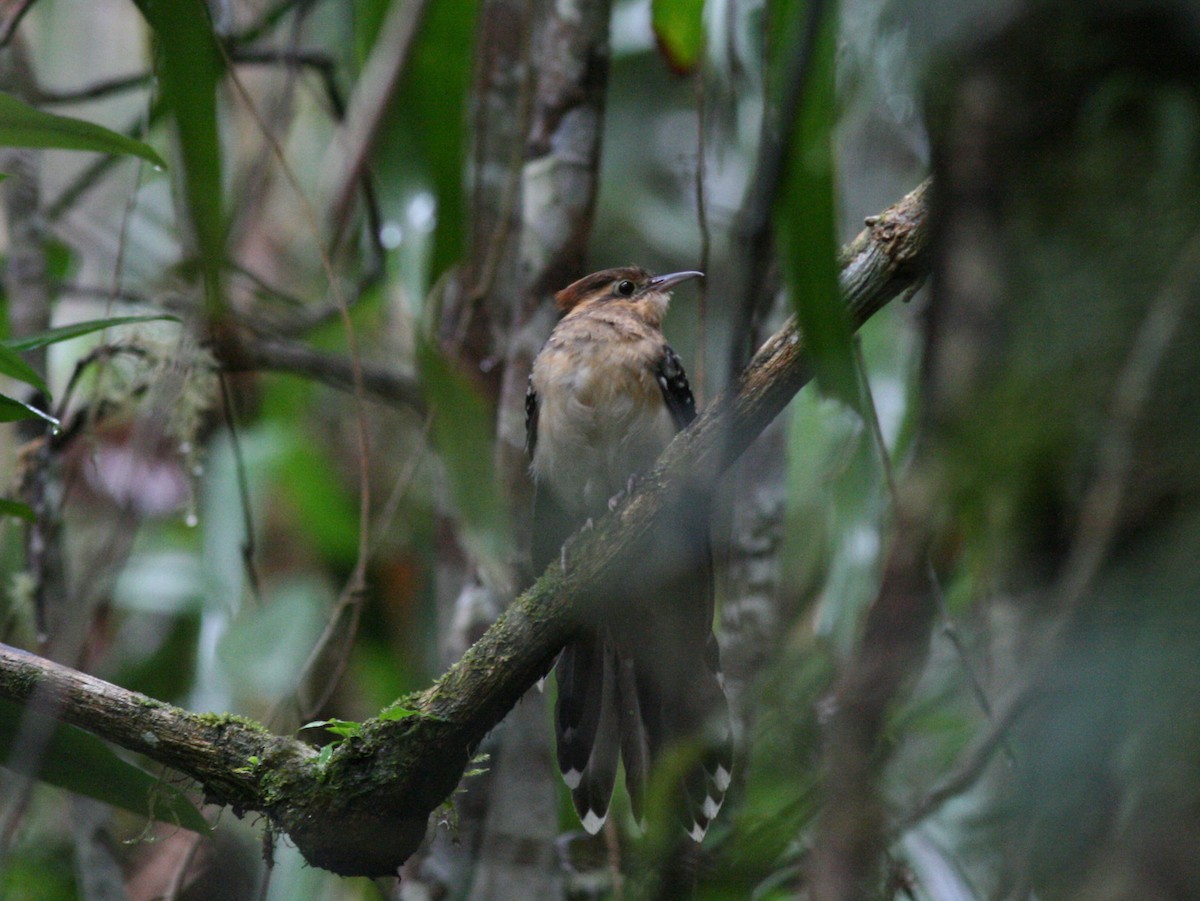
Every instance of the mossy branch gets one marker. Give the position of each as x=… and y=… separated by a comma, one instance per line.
x=365, y=810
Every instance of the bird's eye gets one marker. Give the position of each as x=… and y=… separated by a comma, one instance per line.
x=625, y=287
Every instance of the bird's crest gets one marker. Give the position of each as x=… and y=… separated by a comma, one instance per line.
x=600, y=284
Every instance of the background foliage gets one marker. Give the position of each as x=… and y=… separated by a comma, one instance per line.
x=262, y=373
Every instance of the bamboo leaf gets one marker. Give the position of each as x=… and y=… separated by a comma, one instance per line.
x=427, y=122
x=17, y=509
x=190, y=67
x=23, y=126
x=13, y=366
x=806, y=221
x=12, y=410
x=77, y=329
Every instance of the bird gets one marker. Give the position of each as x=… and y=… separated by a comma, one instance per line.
x=642, y=676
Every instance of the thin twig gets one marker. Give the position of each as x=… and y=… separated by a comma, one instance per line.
x=700, y=379
x=948, y=628
x=87, y=179
x=100, y=352
x=307, y=710
x=355, y=584
x=885, y=455
x=146, y=434
x=971, y=766
x=381, y=383
x=94, y=91
x=176, y=886
x=351, y=146
x=268, y=20
x=253, y=182
x=14, y=19
x=264, y=288
x=268, y=855
x=98, y=292
x=239, y=465
x=325, y=68
x=273, y=56
x=774, y=148
x=122, y=244
x=403, y=482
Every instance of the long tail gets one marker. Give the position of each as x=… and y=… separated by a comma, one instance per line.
x=637, y=701
x=683, y=710
x=707, y=720
x=587, y=727
x=646, y=682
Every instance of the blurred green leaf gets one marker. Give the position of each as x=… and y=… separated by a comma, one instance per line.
x=60, y=258
x=76, y=329
x=428, y=120
x=322, y=505
x=12, y=410
x=17, y=509
x=264, y=649
x=23, y=126
x=679, y=29
x=81, y=763
x=166, y=669
x=462, y=434
x=781, y=794
x=39, y=868
x=368, y=19
x=190, y=66
x=805, y=213
x=13, y=366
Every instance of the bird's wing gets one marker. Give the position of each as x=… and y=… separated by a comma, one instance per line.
x=531, y=418
x=551, y=523
x=675, y=388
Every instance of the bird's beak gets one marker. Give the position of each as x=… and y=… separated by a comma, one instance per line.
x=669, y=281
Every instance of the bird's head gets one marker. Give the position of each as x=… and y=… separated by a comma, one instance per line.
x=631, y=284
